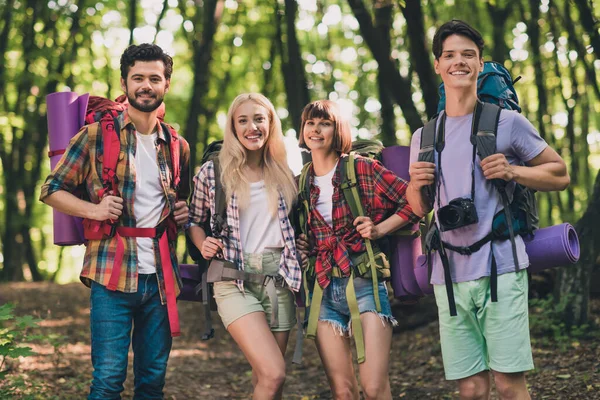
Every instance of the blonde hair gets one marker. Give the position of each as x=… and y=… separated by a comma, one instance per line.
x=327, y=109
x=232, y=157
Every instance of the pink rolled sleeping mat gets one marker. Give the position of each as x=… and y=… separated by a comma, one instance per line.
x=405, y=248
x=554, y=246
x=66, y=115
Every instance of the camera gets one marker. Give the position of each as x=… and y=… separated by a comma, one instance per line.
x=458, y=213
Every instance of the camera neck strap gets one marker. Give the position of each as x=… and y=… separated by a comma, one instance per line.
x=440, y=143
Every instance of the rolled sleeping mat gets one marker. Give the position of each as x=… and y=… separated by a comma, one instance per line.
x=66, y=115
x=191, y=278
x=554, y=246
x=550, y=247
x=406, y=243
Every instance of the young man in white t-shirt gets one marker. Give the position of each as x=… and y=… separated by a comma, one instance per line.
x=484, y=335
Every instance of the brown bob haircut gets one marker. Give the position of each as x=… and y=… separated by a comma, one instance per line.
x=326, y=109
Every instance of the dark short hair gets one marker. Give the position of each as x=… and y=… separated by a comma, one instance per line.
x=456, y=27
x=327, y=109
x=145, y=52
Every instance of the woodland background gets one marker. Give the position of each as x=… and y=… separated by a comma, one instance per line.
x=372, y=56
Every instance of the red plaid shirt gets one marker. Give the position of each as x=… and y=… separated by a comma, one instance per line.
x=382, y=194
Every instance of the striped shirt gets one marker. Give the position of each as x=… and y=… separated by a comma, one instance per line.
x=203, y=204
x=75, y=173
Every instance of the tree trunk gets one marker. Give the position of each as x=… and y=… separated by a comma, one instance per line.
x=573, y=282
x=421, y=55
x=202, y=44
x=383, y=23
x=586, y=17
x=398, y=85
x=533, y=30
x=162, y=14
x=7, y=18
x=499, y=15
x=132, y=19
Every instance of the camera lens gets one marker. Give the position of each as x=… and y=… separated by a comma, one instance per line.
x=449, y=216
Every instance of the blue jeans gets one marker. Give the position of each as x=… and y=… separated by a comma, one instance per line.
x=112, y=315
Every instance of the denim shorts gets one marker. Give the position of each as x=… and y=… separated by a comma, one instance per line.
x=334, y=306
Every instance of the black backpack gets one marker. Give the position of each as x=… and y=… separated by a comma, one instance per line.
x=519, y=217
x=211, y=153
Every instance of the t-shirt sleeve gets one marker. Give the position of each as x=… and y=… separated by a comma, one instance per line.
x=525, y=140
x=415, y=145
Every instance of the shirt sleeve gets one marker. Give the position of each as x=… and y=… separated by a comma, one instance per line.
x=525, y=140
x=199, y=207
x=415, y=146
x=389, y=185
x=72, y=169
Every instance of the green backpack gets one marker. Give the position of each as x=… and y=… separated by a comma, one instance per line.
x=371, y=264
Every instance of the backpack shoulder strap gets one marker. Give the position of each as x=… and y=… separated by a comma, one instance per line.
x=427, y=153
x=349, y=185
x=111, y=146
x=220, y=203
x=487, y=129
x=174, y=151
x=304, y=189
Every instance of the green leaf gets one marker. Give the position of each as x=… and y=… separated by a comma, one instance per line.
x=21, y=352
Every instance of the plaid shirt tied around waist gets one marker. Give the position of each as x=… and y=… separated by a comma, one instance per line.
x=81, y=168
x=382, y=194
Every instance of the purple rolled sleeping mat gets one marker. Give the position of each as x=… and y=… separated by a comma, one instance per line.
x=66, y=115
x=191, y=278
x=554, y=246
x=405, y=247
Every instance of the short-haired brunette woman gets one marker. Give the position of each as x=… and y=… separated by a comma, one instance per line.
x=338, y=244
x=258, y=237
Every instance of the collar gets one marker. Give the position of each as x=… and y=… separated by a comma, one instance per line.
x=126, y=123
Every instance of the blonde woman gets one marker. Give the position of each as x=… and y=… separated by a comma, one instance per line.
x=258, y=238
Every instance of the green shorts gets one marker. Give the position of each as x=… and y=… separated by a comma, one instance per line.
x=233, y=304
x=485, y=335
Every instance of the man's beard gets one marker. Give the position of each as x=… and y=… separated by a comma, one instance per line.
x=144, y=106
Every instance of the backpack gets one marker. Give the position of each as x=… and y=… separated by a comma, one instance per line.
x=196, y=274
x=496, y=92
x=373, y=263
x=106, y=112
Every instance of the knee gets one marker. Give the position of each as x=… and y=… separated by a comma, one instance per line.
x=375, y=390
x=507, y=389
x=344, y=390
x=272, y=380
x=473, y=390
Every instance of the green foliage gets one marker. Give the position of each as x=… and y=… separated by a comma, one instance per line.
x=13, y=333
x=546, y=322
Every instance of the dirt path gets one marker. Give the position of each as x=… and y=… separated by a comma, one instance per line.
x=217, y=370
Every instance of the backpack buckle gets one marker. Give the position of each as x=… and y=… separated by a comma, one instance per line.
x=113, y=230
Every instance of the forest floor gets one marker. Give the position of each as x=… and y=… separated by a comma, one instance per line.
x=566, y=368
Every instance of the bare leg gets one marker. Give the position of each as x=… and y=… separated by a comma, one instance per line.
x=511, y=386
x=374, y=372
x=254, y=337
x=475, y=387
x=336, y=357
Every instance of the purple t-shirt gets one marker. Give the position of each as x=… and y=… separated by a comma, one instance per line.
x=519, y=141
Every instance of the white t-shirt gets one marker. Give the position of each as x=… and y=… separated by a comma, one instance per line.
x=149, y=199
x=259, y=228
x=325, y=200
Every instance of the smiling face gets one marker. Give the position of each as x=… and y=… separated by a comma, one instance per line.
x=319, y=134
x=146, y=85
x=459, y=64
x=251, y=125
